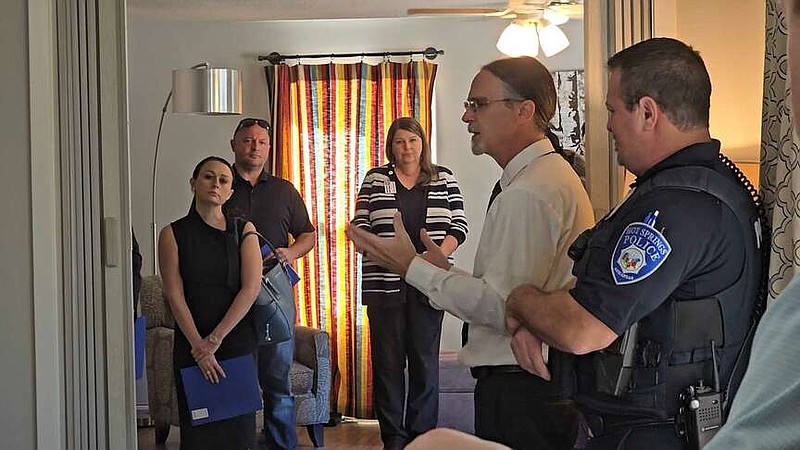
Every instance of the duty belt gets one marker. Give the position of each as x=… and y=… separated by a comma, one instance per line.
x=604, y=424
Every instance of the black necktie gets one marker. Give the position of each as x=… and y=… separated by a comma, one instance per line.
x=495, y=192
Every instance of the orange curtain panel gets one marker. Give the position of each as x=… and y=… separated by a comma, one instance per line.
x=330, y=122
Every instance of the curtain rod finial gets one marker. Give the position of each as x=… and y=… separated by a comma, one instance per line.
x=431, y=53
x=273, y=58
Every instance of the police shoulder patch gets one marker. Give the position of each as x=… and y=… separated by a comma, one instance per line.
x=640, y=251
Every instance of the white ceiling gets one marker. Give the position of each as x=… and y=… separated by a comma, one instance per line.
x=289, y=9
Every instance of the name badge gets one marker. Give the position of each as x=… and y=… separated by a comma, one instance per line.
x=391, y=188
x=640, y=251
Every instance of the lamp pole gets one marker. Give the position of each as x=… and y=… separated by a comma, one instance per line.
x=201, y=90
x=153, y=224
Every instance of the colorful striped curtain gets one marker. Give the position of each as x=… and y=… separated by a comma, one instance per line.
x=330, y=123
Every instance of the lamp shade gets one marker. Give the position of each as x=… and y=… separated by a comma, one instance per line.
x=552, y=40
x=207, y=91
x=519, y=40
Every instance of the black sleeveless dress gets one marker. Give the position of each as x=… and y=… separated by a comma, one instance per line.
x=210, y=284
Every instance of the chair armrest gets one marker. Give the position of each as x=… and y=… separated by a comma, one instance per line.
x=162, y=397
x=310, y=346
x=312, y=349
x=153, y=304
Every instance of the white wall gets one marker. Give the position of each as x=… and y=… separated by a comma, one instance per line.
x=157, y=47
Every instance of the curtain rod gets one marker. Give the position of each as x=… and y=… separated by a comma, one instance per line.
x=276, y=58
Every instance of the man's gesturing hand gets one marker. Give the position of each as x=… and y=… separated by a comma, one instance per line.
x=393, y=253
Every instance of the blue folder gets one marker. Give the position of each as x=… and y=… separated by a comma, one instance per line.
x=235, y=395
x=139, y=326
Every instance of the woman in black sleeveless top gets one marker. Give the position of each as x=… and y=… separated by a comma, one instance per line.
x=210, y=284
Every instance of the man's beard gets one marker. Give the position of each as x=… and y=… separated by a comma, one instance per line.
x=477, y=149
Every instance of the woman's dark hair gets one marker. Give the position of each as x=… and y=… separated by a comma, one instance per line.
x=526, y=78
x=199, y=165
x=428, y=171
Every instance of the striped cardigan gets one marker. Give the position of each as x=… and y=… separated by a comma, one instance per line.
x=375, y=209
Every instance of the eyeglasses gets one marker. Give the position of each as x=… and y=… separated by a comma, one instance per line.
x=473, y=104
x=249, y=122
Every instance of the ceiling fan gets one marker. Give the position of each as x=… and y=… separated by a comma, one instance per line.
x=534, y=23
x=514, y=9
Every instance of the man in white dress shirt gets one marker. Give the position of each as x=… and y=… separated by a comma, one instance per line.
x=538, y=209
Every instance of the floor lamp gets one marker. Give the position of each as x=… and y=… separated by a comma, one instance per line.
x=202, y=90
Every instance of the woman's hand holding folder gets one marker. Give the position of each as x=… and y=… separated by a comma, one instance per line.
x=211, y=369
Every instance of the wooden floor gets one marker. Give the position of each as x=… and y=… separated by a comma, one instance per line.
x=350, y=434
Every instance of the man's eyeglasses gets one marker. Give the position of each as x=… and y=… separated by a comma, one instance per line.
x=249, y=122
x=474, y=104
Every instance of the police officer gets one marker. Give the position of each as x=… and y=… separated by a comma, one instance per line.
x=672, y=272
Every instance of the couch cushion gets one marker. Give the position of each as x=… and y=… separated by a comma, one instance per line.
x=302, y=378
x=456, y=386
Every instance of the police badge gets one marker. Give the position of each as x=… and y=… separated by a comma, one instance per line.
x=640, y=251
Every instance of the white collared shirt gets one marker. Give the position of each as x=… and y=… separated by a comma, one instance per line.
x=528, y=229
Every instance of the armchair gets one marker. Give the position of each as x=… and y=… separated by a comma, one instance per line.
x=310, y=373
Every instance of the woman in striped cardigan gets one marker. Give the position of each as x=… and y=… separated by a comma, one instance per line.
x=403, y=326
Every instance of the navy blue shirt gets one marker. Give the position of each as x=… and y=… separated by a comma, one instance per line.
x=412, y=204
x=707, y=252
x=273, y=205
x=678, y=261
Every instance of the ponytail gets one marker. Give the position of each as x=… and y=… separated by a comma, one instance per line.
x=571, y=157
x=553, y=138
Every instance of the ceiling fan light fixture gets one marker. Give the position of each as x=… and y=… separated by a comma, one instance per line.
x=519, y=39
x=552, y=40
x=554, y=18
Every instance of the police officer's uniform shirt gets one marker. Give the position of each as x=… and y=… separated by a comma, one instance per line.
x=528, y=228
x=620, y=282
x=273, y=205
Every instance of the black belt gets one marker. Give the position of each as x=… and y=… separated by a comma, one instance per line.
x=484, y=371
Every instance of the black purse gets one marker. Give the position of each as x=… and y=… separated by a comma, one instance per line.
x=271, y=323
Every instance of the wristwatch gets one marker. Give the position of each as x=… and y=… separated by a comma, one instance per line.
x=214, y=339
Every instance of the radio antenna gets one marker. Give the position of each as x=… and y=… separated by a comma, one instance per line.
x=716, y=370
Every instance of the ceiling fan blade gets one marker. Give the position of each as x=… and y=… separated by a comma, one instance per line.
x=454, y=11
x=573, y=11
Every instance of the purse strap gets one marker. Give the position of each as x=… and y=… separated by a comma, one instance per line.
x=264, y=239
x=257, y=234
